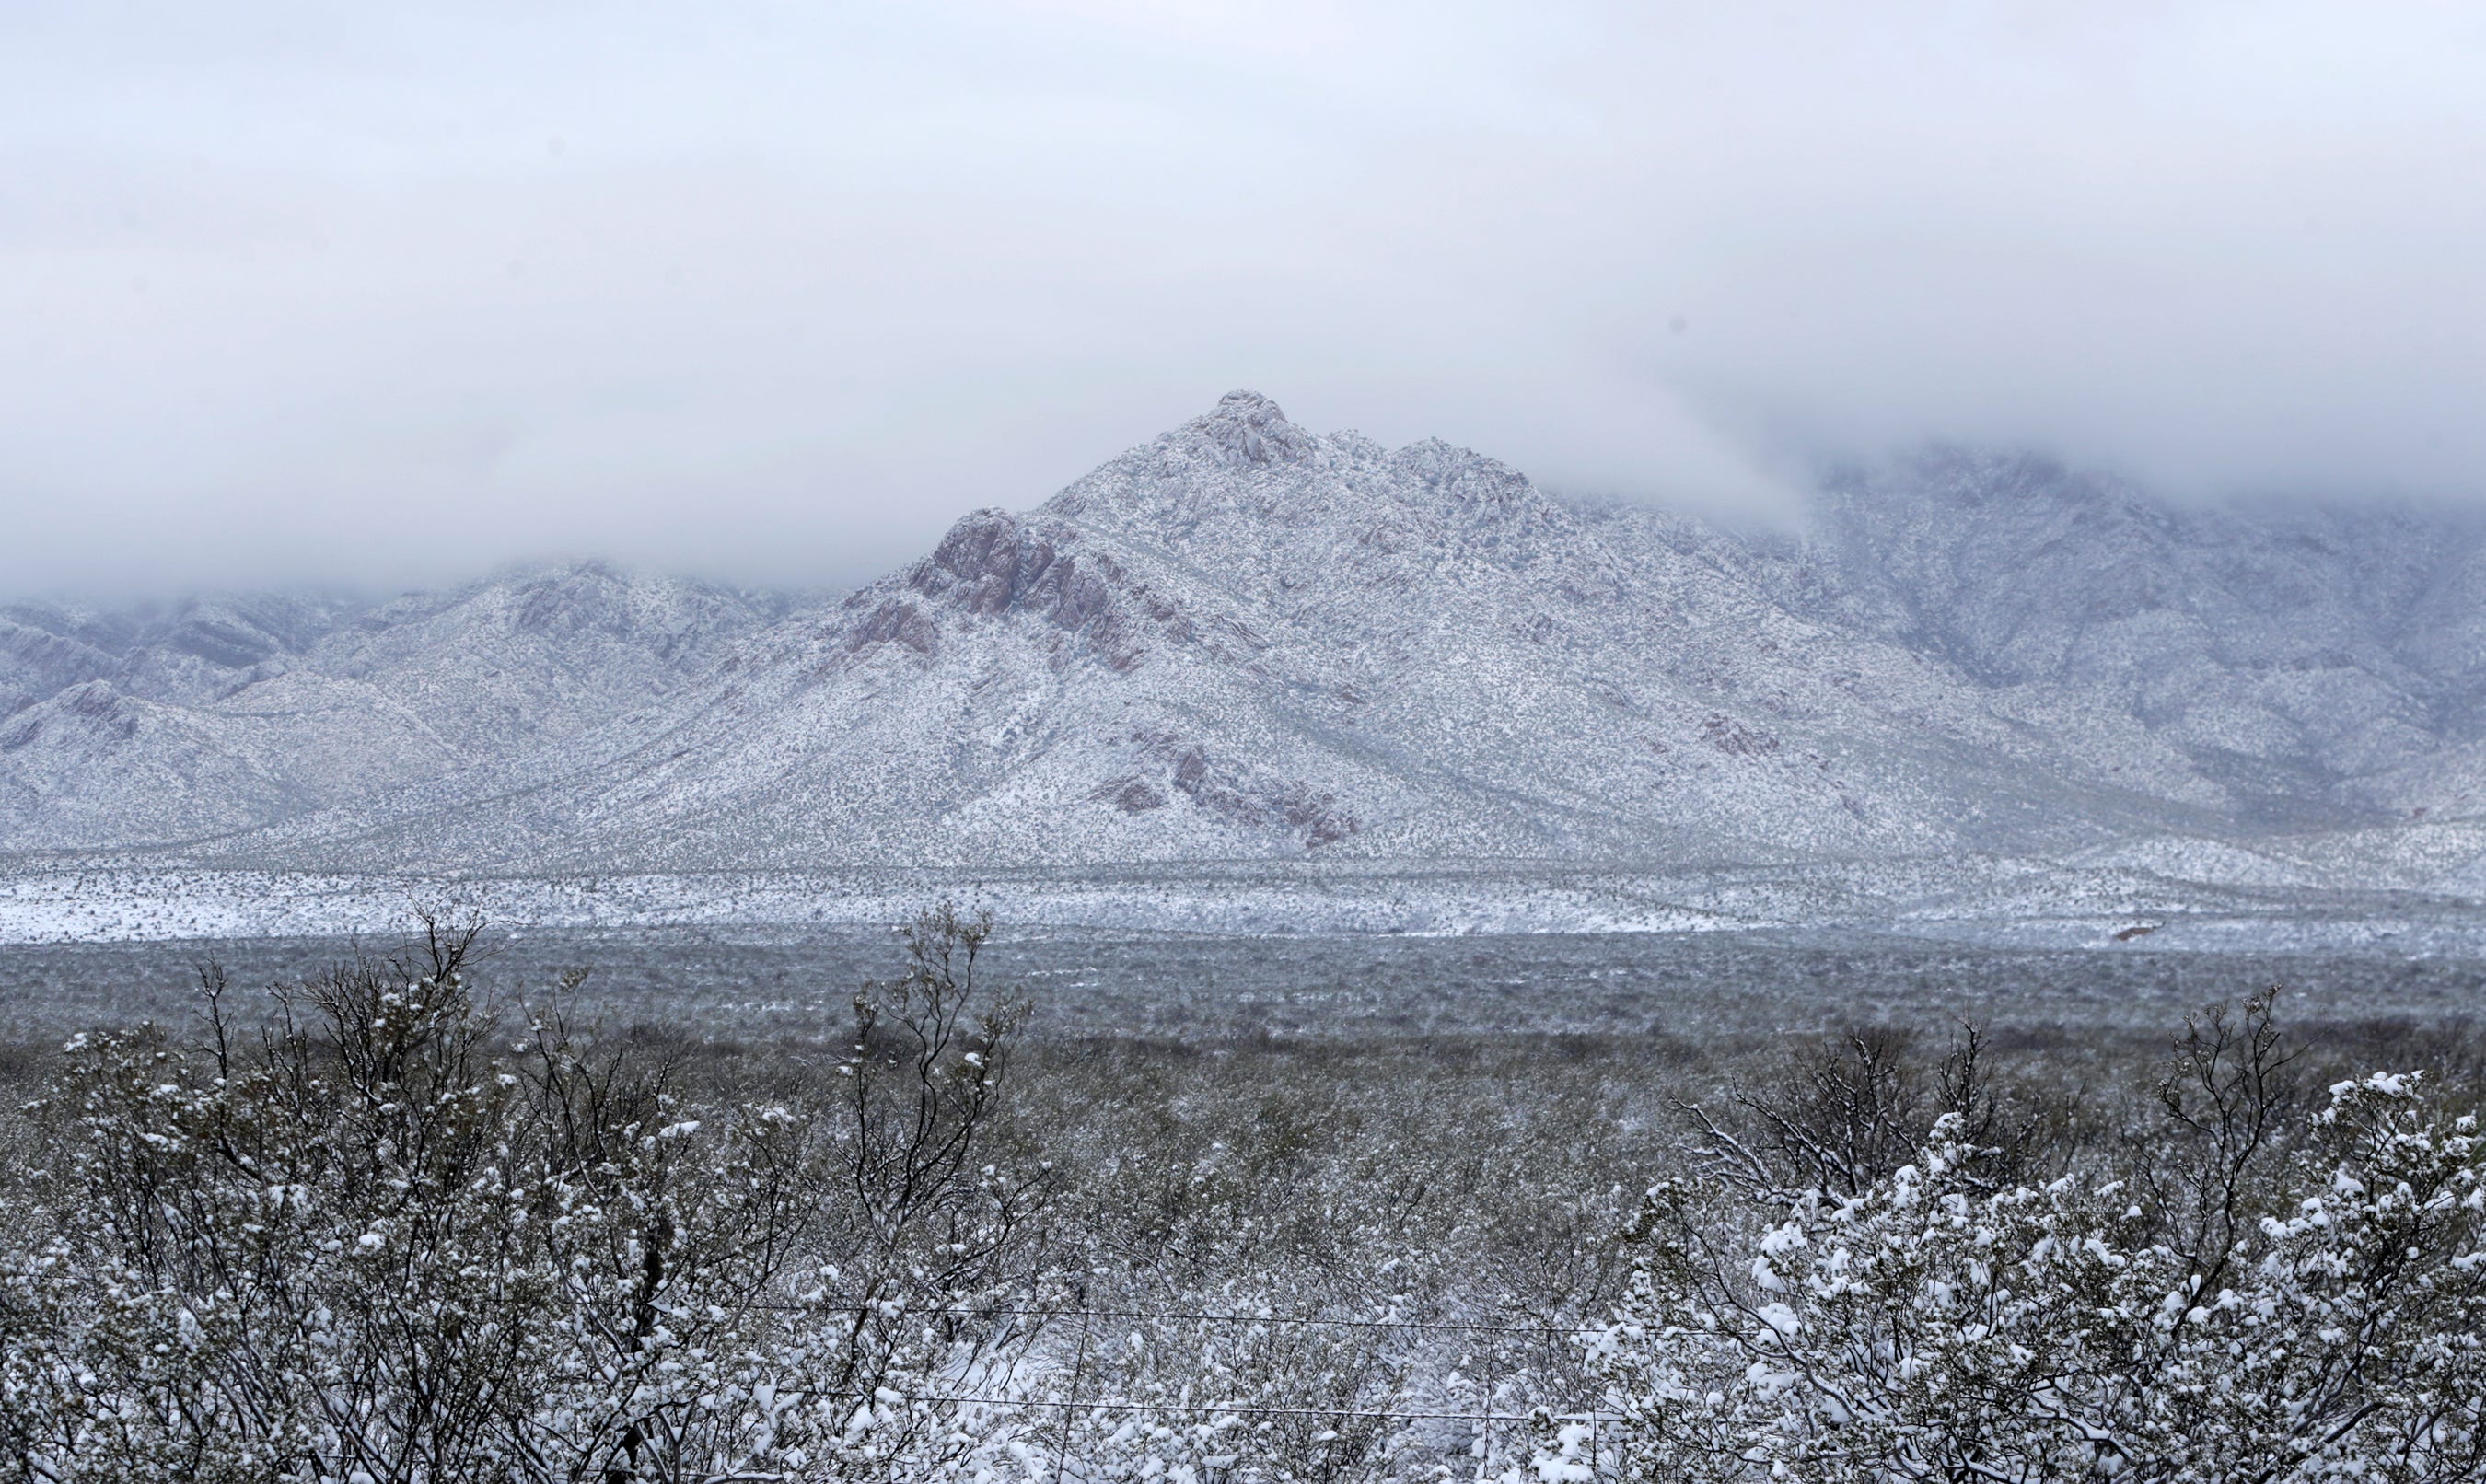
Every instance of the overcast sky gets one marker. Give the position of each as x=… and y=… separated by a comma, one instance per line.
x=386, y=294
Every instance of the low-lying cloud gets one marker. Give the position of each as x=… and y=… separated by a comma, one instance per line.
x=775, y=293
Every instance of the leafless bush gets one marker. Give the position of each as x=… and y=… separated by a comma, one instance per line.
x=643, y=1253
x=2255, y=1290
x=384, y=1235
x=1842, y=1116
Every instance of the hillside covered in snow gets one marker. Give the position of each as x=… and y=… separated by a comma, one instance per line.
x=1246, y=642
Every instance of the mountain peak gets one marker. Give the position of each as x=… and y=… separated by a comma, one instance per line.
x=1245, y=402
x=1247, y=430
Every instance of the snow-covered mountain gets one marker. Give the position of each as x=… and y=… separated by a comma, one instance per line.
x=229, y=714
x=2283, y=647
x=1246, y=641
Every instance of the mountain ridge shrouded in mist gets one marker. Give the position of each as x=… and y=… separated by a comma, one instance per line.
x=1244, y=641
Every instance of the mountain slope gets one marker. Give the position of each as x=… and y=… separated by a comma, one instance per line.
x=199, y=650
x=1244, y=641
x=2284, y=649
x=238, y=713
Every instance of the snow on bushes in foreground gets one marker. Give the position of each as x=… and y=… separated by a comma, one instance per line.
x=387, y=1236
x=383, y=1238
x=2255, y=1300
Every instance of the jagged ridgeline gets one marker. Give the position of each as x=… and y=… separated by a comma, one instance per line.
x=1246, y=640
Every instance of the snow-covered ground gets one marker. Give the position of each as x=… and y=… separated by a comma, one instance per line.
x=2258, y=900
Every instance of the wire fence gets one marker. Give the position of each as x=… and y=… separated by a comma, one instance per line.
x=1483, y=1418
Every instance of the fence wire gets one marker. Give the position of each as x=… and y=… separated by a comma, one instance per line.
x=1483, y=1417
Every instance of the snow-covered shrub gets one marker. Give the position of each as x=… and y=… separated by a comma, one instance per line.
x=383, y=1237
x=2274, y=1301
x=1847, y=1111
x=1356, y=1208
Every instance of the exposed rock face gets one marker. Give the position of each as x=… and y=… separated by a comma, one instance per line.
x=1245, y=641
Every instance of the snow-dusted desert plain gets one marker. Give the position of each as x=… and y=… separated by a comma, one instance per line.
x=2102, y=901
